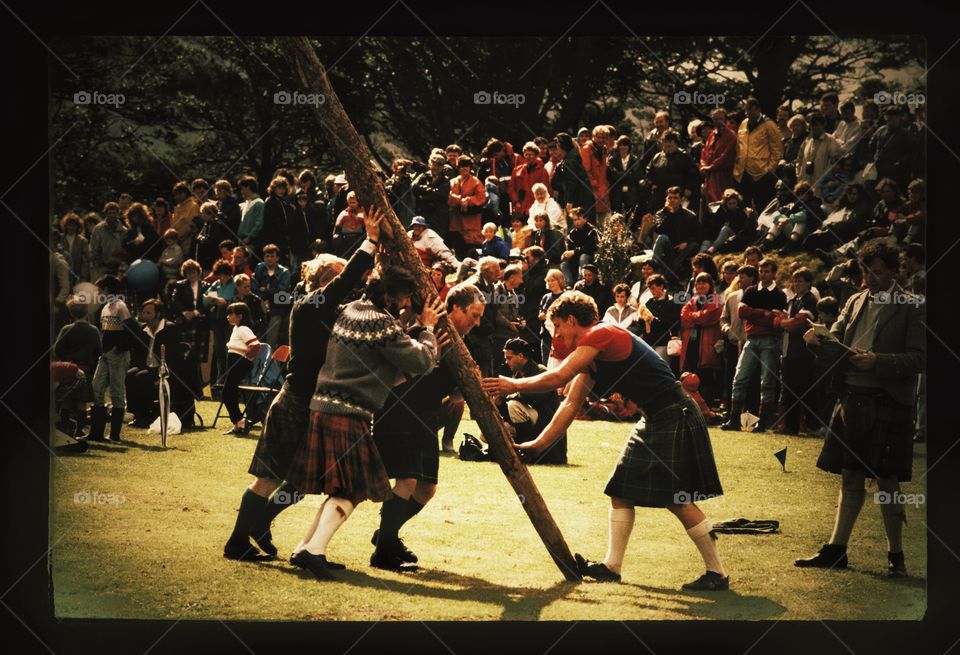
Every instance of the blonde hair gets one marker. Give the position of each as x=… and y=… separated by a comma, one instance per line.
x=320, y=271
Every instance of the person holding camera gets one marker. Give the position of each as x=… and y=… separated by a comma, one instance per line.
x=819, y=151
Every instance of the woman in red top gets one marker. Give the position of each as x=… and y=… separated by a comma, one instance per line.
x=594, y=155
x=529, y=172
x=700, y=331
x=668, y=462
x=438, y=273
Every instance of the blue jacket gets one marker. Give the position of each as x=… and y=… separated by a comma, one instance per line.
x=496, y=247
x=274, y=289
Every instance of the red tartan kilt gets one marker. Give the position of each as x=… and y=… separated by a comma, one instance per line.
x=340, y=458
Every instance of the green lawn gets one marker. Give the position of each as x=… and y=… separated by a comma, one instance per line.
x=149, y=544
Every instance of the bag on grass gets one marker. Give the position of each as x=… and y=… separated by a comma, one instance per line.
x=173, y=424
x=472, y=450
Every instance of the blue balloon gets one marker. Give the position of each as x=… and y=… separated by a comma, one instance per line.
x=143, y=275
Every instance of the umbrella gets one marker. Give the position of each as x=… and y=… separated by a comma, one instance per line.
x=164, y=395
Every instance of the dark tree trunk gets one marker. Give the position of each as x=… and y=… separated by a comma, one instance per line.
x=353, y=154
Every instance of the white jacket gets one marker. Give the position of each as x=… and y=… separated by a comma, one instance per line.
x=431, y=244
x=553, y=210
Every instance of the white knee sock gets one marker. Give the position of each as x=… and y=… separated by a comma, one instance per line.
x=621, y=524
x=700, y=534
x=848, y=508
x=332, y=515
x=310, y=531
x=892, y=513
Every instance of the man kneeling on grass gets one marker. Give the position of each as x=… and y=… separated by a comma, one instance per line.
x=668, y=464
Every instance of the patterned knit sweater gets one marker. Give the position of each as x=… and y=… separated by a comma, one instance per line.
x=367, y=356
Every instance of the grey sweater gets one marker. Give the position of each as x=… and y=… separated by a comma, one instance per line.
x=367, y=356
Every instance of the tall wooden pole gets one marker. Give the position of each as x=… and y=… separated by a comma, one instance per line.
x=341, y=135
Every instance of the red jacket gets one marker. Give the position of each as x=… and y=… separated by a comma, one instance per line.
x=469, y=224
x=720, y=153
x=708, y=321
x=595, y=163
x=521, y=185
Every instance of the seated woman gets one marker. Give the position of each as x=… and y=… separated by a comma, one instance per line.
x=242, y=349
x=600, y=357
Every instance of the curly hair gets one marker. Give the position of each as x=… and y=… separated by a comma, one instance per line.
x=879, y=249
x=577, y=304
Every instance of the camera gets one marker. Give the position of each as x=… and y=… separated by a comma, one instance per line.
x=808, y=168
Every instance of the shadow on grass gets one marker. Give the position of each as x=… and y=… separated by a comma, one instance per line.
x=728, y=605
x=519, y=603
x=911, y=581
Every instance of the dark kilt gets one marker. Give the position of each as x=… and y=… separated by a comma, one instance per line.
x=407, y=443
x=339, y=458
x=669, y=462
x=871, y=433
x=284, y=429
x=196, y=333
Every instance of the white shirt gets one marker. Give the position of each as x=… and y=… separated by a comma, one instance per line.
x=848, y=133
x=241, y=339
x=151, y=358
x=622, y=316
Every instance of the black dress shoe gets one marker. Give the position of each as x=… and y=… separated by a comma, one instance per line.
x=333, y=566
x=404, y=553
x=896, y=568
x=389, y=560
x=596, y=570
x=831, y=556
x=244, y=553
x=709, y=581
x=265, y=543
x=316, y=564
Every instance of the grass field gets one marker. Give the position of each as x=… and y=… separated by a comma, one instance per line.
x=137, y=532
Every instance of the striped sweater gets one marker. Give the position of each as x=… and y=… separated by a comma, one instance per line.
x=367, y=356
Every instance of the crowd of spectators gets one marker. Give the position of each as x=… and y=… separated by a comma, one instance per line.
x=746, y=230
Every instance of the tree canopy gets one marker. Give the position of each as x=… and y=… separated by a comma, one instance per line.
x=205, y=106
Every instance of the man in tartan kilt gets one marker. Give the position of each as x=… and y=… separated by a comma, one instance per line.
x=329, y=280
x=668, y=464
x=368, y=351
x=871, y=434
x=405, y=432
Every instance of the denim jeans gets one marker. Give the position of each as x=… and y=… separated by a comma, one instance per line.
x=571, y=274
x=111, y=372
x=725, y=233
x=763, y=352
x=670, y=260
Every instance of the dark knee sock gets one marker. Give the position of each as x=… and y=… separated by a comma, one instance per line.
x=392, y=516
x=250, y=506
x=412, y=509
x=285, y=496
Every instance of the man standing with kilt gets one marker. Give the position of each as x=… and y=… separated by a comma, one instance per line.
x=328, y=283
x=405, y=432
x=368, y=351
x=669, y=464
x=871, y=434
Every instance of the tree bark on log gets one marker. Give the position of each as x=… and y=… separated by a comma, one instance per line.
x=341, y=135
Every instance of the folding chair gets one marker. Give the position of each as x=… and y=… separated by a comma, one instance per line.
x=261, y=394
